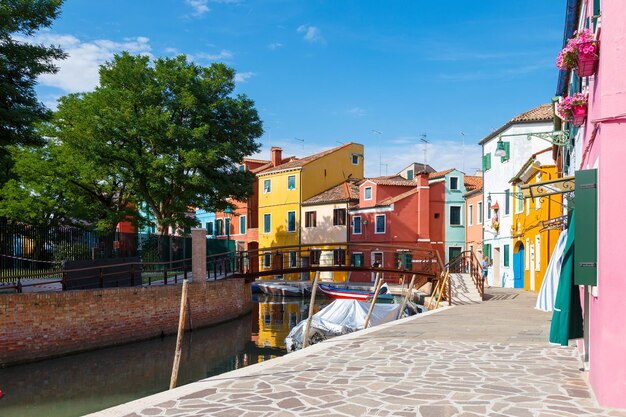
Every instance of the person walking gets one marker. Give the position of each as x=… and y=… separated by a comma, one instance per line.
x=485, y=265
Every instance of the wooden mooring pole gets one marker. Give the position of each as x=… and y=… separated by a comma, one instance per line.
x=181, y=331
x=379, y=284
x=406, y=297
x=307, y=328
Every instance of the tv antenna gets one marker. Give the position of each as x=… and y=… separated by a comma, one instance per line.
x=301, y=140
x=380, y=155
x=425, y=142
x=463, y=151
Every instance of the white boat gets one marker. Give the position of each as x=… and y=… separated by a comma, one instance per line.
x=284, y=290
x=340, y=317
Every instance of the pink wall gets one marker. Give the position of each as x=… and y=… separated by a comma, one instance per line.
x=474, y=233
x=607, y=100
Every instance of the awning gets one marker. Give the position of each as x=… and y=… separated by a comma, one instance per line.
x=567, y=318
x=540, y=189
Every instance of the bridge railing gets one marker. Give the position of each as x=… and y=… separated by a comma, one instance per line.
x=343, y=260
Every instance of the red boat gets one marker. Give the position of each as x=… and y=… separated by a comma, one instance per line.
x=348, y=294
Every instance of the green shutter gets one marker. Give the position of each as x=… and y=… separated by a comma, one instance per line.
x=506, y=255
x=507, y=149
x=487, y=251
x=586, y=233
x=408, y=261
x=486, y=162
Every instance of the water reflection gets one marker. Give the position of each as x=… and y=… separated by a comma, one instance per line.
x=88, y=382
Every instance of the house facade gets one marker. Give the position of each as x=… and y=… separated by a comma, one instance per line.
x=283, y=187
x=596, y=159
x=474, y=212
x=534, y=233
x=453, y=182
x=391, y=211
x=517, y=146
x=325, y=226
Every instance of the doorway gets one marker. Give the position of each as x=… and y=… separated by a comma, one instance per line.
x=532, y=267
x=377, y=259
x=518, y=266
x=496, y=268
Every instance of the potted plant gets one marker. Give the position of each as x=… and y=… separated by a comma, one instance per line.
x=580, y=54
x=586, y=53
x=573, y=108
x=495, y=224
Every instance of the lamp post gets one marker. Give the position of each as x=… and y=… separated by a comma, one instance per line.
x=228, y=215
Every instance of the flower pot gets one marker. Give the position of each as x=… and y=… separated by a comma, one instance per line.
x=586, y=64
x=579, y=114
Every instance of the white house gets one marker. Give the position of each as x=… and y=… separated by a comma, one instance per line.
x=517, y=144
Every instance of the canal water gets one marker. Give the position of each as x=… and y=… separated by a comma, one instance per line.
x=83, y=383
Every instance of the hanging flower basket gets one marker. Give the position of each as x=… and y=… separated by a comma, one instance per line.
x=573, y=109
x=579, y=114
x=580, y=54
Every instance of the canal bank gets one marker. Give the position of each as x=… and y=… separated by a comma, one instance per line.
x=473, y=360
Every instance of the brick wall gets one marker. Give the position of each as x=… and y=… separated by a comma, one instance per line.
x=36, y=326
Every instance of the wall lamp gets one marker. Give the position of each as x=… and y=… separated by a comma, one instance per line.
x=515, y=194
x=556, y=137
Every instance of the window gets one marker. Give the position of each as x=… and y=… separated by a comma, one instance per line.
x=470, y=216
x=409, y=174
x=356, y=225
x=367, y=194
x=357, y=259
x=291, y=221
x=479, y=208
x=293, y=262
x=227, y=226
x=527, y=255
x=404, y=260
x=520, y=201
x=488, y=211
x=242, y=168
x=339, y=217
x=538, y=253
x=291, y=182
x=310, y=219
x=267, y=186
x=209, y=228
x=314, y=256
x=455, y=215
x=527, y=203
x=355, y=159
x=339, y=256
x=486, y=162
x=242, y=225
x=454, y=183
x=267, y=223
x=267, y=260
x=507, y=202
x=506, y=255
x=380, y=223
x=507, y=152
x=219, y=227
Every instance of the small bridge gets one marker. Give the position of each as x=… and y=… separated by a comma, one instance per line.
x=354, y=262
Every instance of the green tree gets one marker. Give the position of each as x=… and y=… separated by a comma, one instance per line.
x=20, y=65
x=173, y=131
x=59, y=185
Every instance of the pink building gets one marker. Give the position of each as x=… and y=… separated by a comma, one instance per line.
x=600, y=143
x=474, y=215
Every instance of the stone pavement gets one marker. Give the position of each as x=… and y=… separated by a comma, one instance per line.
x=489, y=359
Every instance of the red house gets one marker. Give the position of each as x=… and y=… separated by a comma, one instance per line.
x=391, y=211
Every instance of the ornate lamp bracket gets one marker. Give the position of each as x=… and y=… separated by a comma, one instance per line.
x=558, y=138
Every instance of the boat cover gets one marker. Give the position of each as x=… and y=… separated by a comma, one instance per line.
x=340, y=317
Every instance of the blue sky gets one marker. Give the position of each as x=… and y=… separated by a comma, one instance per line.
x=381, y=73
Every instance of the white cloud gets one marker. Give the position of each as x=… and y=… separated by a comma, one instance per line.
x=199, y=7
x=79, y=71
x=171, y=51
x=242, y=77
x=441, y=155
x=311, y=33
x=275, y=45
x=357, y=112
x=224, y=54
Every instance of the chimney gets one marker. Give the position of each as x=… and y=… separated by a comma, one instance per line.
x=423, y=208
x=277, y=155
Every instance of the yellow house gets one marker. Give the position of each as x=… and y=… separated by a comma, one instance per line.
x=534, y=238
x=283, y=188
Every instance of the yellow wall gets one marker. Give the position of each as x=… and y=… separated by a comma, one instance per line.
x=313, y=178
x=331, y=169
x=526, y=228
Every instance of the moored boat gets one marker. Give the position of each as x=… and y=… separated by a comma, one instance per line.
x=349, y=294
x=281, y=289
